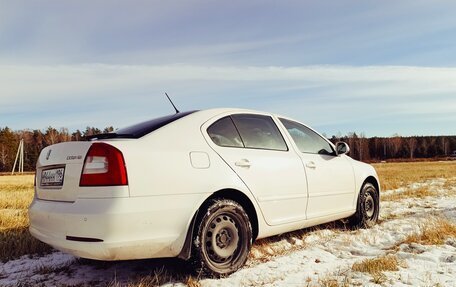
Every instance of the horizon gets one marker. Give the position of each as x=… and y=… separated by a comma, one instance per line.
x=378, y=68
x=337, y=135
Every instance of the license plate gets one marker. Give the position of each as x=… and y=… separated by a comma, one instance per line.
x=52, y=177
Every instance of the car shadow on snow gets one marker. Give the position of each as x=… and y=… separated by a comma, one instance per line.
x=144, y=272
x=153, y=272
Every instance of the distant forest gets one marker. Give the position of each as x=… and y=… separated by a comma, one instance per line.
x=362, y=148
x=35, y=141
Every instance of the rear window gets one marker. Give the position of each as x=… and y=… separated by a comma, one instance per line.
x=142, y=129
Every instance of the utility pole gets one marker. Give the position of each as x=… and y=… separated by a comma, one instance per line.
x=20, y=156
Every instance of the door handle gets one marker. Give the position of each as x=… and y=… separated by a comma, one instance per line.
x=243, y=163
x=311, y=164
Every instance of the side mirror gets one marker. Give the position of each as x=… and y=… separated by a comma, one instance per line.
x=342, y=148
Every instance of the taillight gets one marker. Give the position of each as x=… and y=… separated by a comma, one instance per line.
x=104, y=165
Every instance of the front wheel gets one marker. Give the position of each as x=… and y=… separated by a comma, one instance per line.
x=223, y=239
x=367, y=209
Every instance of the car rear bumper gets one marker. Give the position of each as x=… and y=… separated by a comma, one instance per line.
x=115, y=228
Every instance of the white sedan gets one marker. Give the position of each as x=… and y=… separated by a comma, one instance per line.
x=199, y=185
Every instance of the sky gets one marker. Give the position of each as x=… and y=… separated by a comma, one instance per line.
x=373, y=67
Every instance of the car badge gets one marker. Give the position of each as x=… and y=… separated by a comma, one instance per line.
x=48, y=154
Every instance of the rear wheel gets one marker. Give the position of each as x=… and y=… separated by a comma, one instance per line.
x=223, y=239
x=368, y=207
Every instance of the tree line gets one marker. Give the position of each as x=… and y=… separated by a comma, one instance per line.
x=398, y=147
x=361, y=147
x=35, y=141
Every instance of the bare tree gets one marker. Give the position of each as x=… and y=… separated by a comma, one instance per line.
x=445, y=146
x=363, y=147
x=64, y=135
x=51, y=136
x=411, y=145
x=3, y=155
x=395, y=144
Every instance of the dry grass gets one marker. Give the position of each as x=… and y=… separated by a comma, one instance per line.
x=389, y=216
x=395, y=175
x=15, y=243
x=409, y=193
x=433, y=232
x=16, y=194
x=450, y=185
x=332, y=281
x=157, y=278
x=329, y=282
x=376, y=265
x=16, y=182
x=16, y=191
x=13, y=218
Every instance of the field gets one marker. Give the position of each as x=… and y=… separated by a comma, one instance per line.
x=413, y=244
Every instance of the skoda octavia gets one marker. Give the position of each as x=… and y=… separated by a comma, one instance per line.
x=199, y=185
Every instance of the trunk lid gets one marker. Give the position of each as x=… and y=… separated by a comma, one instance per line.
x=58, y=171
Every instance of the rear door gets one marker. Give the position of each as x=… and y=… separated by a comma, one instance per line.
x=331, y=180
x=252, y=145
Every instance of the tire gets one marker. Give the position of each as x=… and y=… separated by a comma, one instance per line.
x=223, y=238
x=367, y=209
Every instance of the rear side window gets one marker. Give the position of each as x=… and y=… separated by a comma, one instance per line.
x=259, y=132
x=224, y=133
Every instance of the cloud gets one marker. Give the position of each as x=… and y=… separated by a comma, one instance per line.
x=234, y=32
x=19, y=82
x=97, y=93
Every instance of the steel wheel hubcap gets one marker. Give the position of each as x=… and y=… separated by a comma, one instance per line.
x=222, y=239
x=369, y=206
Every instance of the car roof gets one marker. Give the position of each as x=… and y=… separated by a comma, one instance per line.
x=217, y=111
x=141, y=129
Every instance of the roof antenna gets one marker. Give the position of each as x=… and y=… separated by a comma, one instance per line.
x=177, y=111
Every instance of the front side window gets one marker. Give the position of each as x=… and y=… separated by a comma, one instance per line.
x=306, y=139
x=224, y=133
x=259, y=132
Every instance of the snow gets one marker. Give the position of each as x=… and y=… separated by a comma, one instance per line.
x=321, y=255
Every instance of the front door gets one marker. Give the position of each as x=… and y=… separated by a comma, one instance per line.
x=331, y=182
